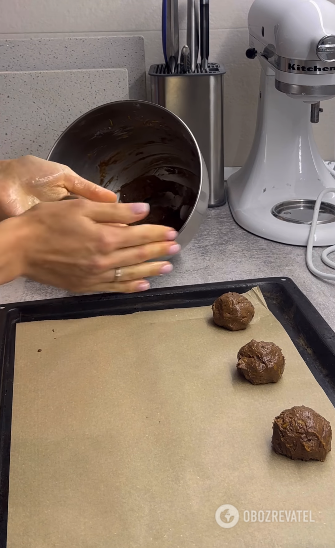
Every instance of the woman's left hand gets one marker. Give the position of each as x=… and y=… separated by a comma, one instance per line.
x=27, y=181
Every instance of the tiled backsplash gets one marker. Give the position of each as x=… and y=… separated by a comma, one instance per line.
x=229, y=40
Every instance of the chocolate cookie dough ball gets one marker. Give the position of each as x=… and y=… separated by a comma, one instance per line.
x=301, y=434
x=233, y=311
x=261, y=362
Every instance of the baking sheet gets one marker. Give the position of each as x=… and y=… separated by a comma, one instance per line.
x=131, y=431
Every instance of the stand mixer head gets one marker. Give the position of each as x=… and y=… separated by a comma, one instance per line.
x=274, y=194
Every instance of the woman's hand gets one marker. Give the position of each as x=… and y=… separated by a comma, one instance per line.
x=76, y=245
x=29, y=180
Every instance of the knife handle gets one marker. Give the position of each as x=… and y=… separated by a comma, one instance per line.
x=172, y=34
x=193, y=32
x=204, y=24
x=185, y=60
x=164, y=23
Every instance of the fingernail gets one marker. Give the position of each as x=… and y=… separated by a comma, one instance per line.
x=172, y=235
x=174, y=249
x=143, y=286
x=140, y=208
x=166, y=269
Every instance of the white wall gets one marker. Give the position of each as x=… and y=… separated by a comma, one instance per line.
x=229, y=40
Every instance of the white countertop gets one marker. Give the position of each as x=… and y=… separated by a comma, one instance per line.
x=222, y=251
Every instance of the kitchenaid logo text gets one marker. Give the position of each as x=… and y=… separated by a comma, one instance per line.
x=302, y=68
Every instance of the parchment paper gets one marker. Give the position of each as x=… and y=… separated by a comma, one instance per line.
x=131, y=431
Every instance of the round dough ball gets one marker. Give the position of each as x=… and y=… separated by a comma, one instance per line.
x=233, y=311
x=301, y=434
x=261, y=362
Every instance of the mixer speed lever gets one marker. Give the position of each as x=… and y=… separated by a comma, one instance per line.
x=315, y=113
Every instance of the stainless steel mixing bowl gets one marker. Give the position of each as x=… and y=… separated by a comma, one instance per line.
x=127, y=141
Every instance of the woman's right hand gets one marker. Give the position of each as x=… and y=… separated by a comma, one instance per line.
x=76, y=245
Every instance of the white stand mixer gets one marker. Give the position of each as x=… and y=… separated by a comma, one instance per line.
x=274, y=194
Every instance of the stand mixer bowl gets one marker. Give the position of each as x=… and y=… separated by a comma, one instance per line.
x=144, y=153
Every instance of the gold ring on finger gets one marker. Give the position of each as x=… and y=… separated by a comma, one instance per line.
x=118, y=274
